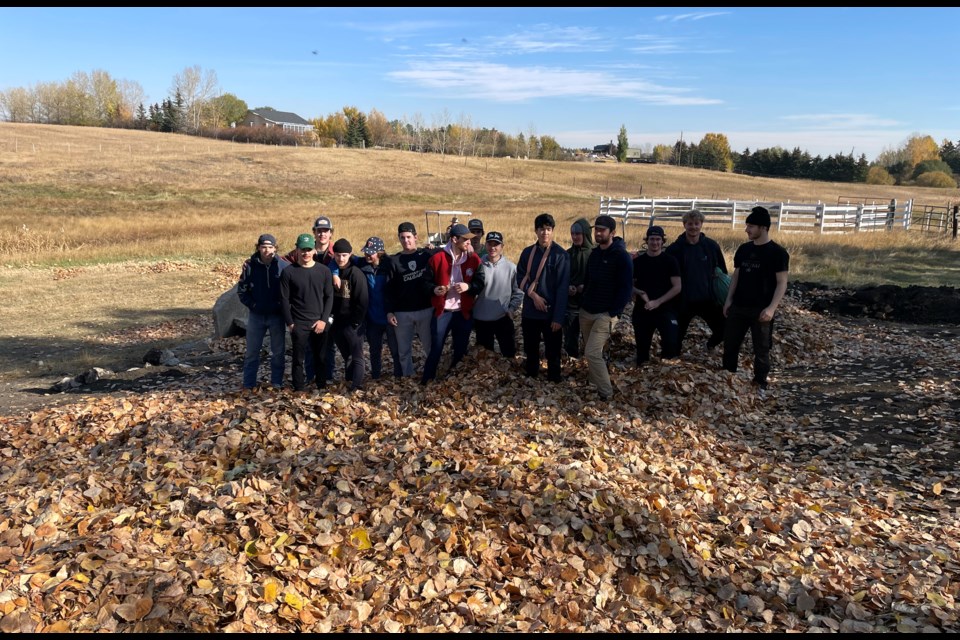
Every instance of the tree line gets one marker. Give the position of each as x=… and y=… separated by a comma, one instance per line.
x=196, y=106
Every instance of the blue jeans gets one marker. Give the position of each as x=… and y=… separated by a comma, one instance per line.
x=448, y=322
x=375, y=333
x=258, y=324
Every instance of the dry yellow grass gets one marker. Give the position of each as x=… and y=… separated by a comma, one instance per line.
x=90, y=198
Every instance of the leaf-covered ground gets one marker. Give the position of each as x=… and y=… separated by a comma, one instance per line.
x=490, y=502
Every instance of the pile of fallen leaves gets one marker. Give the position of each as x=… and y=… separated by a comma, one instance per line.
x=484, y=502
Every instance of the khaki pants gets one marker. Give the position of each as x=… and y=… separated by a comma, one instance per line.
x=596, y=329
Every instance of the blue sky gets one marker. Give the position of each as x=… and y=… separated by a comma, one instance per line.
x=827, y=79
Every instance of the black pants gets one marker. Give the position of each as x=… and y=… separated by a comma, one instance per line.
x=350, y=344
x=501, y=330
x=645, y=323
x=302, y=336
x=739, y=321
x=711, y=313
x=534, y=331
x=571, y=333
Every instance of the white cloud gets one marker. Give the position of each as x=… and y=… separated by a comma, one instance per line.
x=691, y=16
x=503, y=83
x=842, y=120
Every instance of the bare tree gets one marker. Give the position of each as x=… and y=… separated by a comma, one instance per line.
x=464, y=131
x=197, y=88
x=441, y=122
x=418, y=129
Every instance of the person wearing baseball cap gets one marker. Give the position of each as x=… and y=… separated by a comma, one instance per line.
x=607, y=289
x=477, y=242
x=699, y=257
x=374, y=266
x=259, y=291
x=656, y=284
x=323, y=238
x=457, y=281
x=306, y=292
x=499, y=301
x=543, y=275
x=758, y=284
x=409, y=303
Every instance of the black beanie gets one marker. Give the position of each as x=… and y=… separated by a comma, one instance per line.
x=759, y=216
x=342, y=246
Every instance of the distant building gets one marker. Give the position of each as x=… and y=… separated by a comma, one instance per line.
x=270, y=118
x=605, y=149
x=635, y=154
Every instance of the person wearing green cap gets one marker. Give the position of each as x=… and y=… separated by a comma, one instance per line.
x=306, y=293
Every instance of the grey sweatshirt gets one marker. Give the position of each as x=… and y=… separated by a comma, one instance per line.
x=500, y=295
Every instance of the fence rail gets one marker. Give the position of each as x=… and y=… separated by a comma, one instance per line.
x=796, y=217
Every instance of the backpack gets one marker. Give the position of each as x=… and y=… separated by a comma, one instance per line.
x=721, y=286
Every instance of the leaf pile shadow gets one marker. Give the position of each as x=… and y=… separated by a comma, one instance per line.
x=486, y=502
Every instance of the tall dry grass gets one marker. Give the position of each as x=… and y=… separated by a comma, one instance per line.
x=88, y=214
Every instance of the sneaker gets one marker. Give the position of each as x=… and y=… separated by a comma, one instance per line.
x=761, y=392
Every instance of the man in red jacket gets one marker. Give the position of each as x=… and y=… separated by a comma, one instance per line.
x=458, y=280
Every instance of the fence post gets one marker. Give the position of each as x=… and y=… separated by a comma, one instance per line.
x=908, y=214
x=891, y=214
x=821, y=215
x=780, y=218
x=733, y=216
x=859, y=217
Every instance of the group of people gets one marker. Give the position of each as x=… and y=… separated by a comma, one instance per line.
x=568, y=300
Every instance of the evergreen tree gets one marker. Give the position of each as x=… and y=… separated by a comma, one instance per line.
x=622, y=144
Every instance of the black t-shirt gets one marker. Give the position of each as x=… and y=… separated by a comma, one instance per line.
x=653, y=273
x=410, y=282
x=759, y=265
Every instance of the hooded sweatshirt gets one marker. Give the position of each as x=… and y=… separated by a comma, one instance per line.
x=259, y=286
x=578, y=262
x=609, y=284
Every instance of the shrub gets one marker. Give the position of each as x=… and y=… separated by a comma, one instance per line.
x=879, y=175
x=931, y=165
x=936, y=179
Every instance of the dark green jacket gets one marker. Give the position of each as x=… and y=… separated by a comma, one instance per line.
x=578, y=262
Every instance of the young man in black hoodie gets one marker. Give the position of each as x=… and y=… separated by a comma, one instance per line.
x=606, y=292
x=350, y=301
x=259, y=291
x=698, y=257
x=306, y=290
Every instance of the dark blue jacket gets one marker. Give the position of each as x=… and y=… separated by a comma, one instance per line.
x=554, y=282
x=259, y=286
x=377, y=280
x=608, y=286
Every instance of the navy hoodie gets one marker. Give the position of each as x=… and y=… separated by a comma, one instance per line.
x=259, y=286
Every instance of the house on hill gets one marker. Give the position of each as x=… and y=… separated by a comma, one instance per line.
x=270, y=118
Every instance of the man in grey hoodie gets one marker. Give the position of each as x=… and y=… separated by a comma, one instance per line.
x=499, y=300
x=581, y=233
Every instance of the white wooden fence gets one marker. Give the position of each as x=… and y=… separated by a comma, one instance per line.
x=786, y=216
